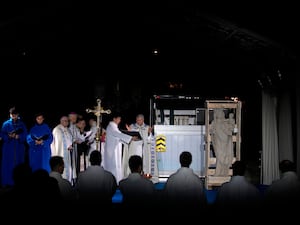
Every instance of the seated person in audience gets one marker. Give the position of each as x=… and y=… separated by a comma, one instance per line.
x=95, y=184
x=57, y=168
x=238, y=191
x=136, y=189
x=184, y=187
x=287, y=188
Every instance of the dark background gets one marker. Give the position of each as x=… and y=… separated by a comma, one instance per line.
x=60, y=56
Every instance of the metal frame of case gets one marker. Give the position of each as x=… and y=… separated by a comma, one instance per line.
x=228, y=106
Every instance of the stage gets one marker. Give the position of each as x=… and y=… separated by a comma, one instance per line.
x=210, y=194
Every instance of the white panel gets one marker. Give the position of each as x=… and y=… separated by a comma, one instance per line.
x=181, y=138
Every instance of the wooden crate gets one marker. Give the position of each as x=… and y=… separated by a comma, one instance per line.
x=212, y=180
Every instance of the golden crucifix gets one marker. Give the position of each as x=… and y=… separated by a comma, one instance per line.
x=98, y=111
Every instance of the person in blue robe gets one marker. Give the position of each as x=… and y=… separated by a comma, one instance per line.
x=39, y=140
x=14, y=134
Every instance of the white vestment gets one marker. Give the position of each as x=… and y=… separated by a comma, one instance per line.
x=112, y=155
x=93, y=143
x=62, y=141
x=143, y=149
x=75, y=132
x=92, y=138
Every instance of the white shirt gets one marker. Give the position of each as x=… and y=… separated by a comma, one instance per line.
x=238, y=191
x=65, y=187
x=184, y=186
x=136, y=188
x=95, y=182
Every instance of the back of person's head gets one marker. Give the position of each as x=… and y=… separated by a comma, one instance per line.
x=21, y=174
x=95, y=158
x=57, y=163
x=135, y=163
x=185, y=159
x=115, y=114
x=43, y=187
x=238, y=168
x=286, y=165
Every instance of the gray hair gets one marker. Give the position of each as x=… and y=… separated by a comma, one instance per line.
x=140, y=116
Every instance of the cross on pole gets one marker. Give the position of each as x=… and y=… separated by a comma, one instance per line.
x=98, y=111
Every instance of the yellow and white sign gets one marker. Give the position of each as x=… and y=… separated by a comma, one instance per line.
x=161, y=143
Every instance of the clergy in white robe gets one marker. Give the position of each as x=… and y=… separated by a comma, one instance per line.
x=73, y=119
x=112, y=155
x=92, y=139
x=62, y=146
x=142, y=148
